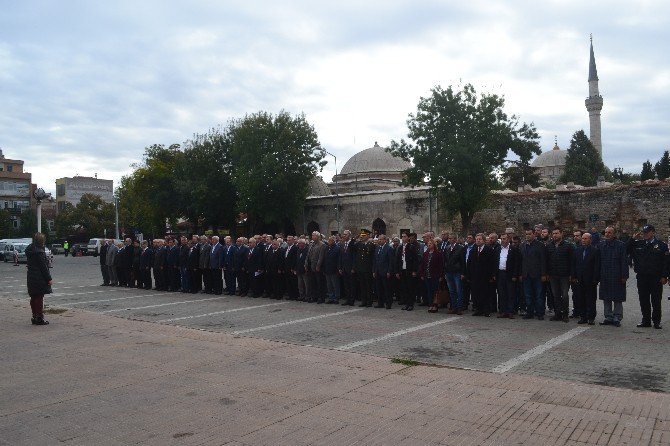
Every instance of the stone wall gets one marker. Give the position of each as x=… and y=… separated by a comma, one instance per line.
x=626, y=207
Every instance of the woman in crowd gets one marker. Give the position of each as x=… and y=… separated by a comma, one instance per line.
x=39, y=278
x=431, y=273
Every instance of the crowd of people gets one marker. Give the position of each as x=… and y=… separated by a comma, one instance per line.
x=529, y=275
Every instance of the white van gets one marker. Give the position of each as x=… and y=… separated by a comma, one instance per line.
x=94, y=245
x=6, y=247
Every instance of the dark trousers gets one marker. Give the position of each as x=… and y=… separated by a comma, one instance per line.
x=256, y=283
x=467, y=292
x=146, y=278
x=104, y=269
x=584, y=299
x=243, y=281
x=196, y=280
x=383, y=290
x=365, y=287
x=408, y=286
x=650, y=292
x=291, y=285
x=317, y=286
x=175, y=278
x=230, y=280
x=217, y=280
x=122, y=272
x=349, y=287
x=274, y=280
x=481, y=295
x=37, y=306
x=206, y=279
x=506, y=293
x=159, y=278
x=137, y=276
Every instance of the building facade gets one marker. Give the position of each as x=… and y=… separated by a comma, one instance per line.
x=15, y=189
x=70, y=190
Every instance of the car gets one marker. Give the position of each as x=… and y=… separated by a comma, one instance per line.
x=78, y=248
x=19, y=253
x=10, y=241
x=57, y=248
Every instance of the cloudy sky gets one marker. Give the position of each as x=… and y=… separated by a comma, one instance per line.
x=85, y=85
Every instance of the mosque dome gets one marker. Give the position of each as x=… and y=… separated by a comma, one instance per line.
x=317, y=187
x=374, y=159
x=551, y=165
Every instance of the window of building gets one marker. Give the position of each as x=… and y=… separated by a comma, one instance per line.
x=15, y=223
x=10, y=168
x=60, y=190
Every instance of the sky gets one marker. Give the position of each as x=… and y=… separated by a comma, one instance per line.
x=85, y=86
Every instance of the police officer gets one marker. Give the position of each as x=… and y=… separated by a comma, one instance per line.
x=649, y=259
x=363, y=252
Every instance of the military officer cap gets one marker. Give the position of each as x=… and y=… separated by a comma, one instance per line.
x=365, y=232
x=648, y=228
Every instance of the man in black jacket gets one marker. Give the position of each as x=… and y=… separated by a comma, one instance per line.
x=104, y=269
x=160, y=265
x=585, y=277
x=346, y=265
x=290, y=254
x=454, y=268
x=559, y=252
x=195, y=279
x=183, y=265
x=533, y=274
x=508, y=262
x=146, y=261
x=407, y=266
x=480, y=272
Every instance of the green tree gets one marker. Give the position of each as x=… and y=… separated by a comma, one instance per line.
x=647, y=171
x=6, y=227
x=460, y=139
x=91, y=216
x=273, y=159
x=662, y=167
x=513, y=174
x=148, y=197
x=624, y=177
x=583, y=164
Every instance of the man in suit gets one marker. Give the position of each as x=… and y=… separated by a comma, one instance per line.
x=363, y=253
x=146, y=261
x=585, y=278
x=110, y=261
x=316, y=285
x=480, y=272
x=559, y=253
x=184, y=250
x=228, y=255
x=172, y=266
x=381, y=272
x=242, y=265
x=613, y=277
x=467, y=248
x=407, y=266
x=300, y=260
x=255, y=267
x=274, y=268
x=103, y=264
x=454, y=268
x=120, y=263
x=290, y=276
x=195, y=279
x=533, y=274
x=160, y=265
x=215, y=266
x=203, y=264
x=346, y=266
x=508, y=262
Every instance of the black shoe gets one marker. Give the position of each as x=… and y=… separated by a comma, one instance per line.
x=528, y=316
x=379, y=306
x=40, y=321
x=616, y=323
x=607, y=322
x=582, y=321
x=33, y=320
x=388, y=306
x=477, y=313
x=404, y=308
x=320, y=301
x=592, y=322
x=423, y=304
x=656, y=326
x=410, y=307
x=362, y=304
x=346, y=302
x=644, y=324
x=540, y=318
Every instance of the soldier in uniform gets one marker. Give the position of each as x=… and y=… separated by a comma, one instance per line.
x=363, y=252
x=649, y=262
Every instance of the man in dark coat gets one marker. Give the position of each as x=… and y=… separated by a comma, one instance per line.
x=195, y=278
x=480, y=272
x=407, y=267
x=300, y=259
x=242, y=266
x=454, y=268
x=363, y=252
x=559, y=253
x=229, y=256
x=215, y=266
x=346, y=266
x=103, y=264
x=203, y=264
x=136, y=272
x=255, y=267
x=381, y=272
x=160, y=265
x=508, y=262
x=649, y=261
x=172, y=266
x=184, y=250
x=146, y=262
x=533, y=274
x=274, y=268
x=290, y=258
x=585, y=276
x=613, y=276
x=39, y=278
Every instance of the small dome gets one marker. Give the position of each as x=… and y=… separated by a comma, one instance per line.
x=317, y=187
x=555, y=157
x=374, y=159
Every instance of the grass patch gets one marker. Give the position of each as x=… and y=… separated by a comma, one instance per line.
x=407, y=362
x=54, y=310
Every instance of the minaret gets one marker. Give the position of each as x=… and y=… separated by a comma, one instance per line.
x=594, y=103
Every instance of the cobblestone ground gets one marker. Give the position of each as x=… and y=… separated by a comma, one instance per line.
x=625, y=357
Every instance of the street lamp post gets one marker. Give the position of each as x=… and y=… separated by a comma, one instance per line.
x=116, y=216
x=40, y=195
x=337, y=193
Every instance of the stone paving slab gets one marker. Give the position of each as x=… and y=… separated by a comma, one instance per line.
x=93, y=379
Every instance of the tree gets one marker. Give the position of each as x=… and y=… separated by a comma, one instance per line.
x=583, y=164
x=647, y=171
x=662, y=167
x=273, y=159
x=624, y=177
x=459, y=140
x=28, y=225
x=516, y=173
x=6, y=226
x=91, y=216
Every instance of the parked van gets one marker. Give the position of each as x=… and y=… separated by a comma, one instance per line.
x=5, y=248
